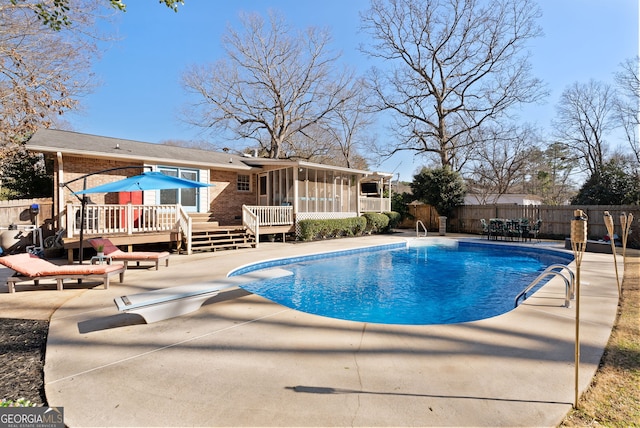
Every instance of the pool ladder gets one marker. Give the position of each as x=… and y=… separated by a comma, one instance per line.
x=420, y=223
x=570, y=283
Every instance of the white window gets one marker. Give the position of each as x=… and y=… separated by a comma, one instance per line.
x=187, y=197
x=244, y=183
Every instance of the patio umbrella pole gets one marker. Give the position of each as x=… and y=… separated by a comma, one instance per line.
x=83, y=200
x=83, y=205
x=578, y=244
x=151, y=180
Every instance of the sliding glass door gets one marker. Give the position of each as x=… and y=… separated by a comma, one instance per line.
x=187, y=197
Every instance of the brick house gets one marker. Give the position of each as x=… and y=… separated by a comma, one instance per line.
x=276, y=193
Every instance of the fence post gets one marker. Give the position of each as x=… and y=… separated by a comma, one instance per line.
x=443, y=225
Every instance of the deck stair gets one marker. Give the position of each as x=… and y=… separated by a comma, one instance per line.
x=208, y=235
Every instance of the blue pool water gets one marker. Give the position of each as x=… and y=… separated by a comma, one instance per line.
x=436, y=283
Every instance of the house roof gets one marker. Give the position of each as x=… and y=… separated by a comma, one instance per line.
x=86, y=145
x=94, y=146
x=260, y=162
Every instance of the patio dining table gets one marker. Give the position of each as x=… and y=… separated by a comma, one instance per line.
x=511, y=229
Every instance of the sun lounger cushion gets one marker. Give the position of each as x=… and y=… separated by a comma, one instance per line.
x=117, y=254
x=32, y=267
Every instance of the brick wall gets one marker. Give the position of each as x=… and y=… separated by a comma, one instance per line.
x=226, y=201
x=75, y=167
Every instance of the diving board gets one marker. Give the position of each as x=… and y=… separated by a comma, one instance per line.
x=158, y=305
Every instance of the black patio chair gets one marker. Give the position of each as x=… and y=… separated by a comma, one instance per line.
x=497, y=228
x=525, y=229
x=485, y=227
x=535, y=230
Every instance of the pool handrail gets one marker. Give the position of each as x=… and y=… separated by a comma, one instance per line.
x=420, y=223
x=572, y=277
x=569, y=283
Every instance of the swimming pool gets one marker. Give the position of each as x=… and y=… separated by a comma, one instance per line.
x=434, y=281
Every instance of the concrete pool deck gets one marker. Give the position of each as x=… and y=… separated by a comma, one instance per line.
x=242, y=360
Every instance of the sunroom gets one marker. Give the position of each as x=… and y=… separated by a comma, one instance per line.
x=290, y=191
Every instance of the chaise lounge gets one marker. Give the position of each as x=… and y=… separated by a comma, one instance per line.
x=118, y=255
x=29, y=267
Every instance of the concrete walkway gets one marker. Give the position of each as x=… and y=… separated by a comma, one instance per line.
x=245, y=361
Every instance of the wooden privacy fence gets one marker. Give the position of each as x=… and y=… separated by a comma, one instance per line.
x=556, y=220
x=19, y=212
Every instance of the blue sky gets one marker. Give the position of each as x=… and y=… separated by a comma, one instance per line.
x=140, y=94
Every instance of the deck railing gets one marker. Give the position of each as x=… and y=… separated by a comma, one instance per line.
x=251, y=221
x=377, y=205
x=272, y=215
x=124, y=219
x=185, y=224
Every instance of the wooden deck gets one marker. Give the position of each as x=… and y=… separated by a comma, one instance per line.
x=206, y=235
x=277, y=230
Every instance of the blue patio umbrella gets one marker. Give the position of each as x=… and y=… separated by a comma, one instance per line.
x=150, y=180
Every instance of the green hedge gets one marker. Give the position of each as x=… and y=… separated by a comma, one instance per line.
x=354, y=226
x=376, y=222
x=395, y=218
x=331, y=228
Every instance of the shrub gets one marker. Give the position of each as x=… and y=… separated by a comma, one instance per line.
x=376, y=222
x=400, y=204
x=395, y=218
x=331, y=228
x=441, y=188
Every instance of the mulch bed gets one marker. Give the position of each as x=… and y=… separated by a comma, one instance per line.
x=22, y=349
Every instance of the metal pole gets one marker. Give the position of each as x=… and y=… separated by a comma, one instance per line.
x=82, y=217
x=84, y=198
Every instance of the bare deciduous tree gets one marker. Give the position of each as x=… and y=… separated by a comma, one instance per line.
x=42, y=72
x=320, y=145
x=627, y=107
x=275, y=85
x=453, y=65
x=584, y=119
x=501, y=160
x=553, y=173
x=348, y=127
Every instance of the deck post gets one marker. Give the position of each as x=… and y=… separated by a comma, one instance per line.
x=129, y=215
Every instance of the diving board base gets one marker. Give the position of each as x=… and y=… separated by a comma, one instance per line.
x=158, y=305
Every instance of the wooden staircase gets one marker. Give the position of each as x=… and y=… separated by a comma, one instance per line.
x=208, y=235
